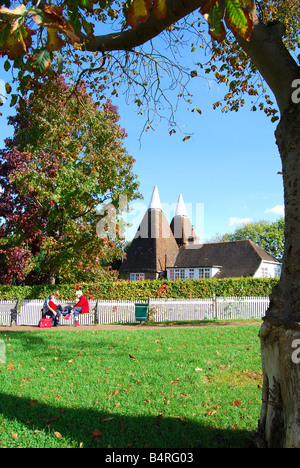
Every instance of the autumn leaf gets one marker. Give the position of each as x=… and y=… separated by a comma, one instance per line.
x=186, y=138
x=106, y=420
x=237, y=403
x=42, y=60
x=96, y=434
x=175, y=381
x=216, y=25
x=58, y=435
x=207, y=6
x=54, y=12
x=54, y=41
x=160, y=8
x=18, y=41
x=239, y=18
x=138, y=12
x=15, y=12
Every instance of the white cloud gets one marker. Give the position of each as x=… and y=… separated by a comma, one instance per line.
x=277, y=210
x=239, y=221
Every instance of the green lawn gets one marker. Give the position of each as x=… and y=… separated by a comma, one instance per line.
x=140, y=388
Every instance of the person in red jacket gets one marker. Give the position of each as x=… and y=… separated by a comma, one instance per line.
x=54, y=310
x=81, y=307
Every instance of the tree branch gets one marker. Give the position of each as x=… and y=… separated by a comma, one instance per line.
x=272, y=59
x=266, y=48
x=129, y=39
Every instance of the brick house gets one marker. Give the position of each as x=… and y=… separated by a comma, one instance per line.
x=175, y=252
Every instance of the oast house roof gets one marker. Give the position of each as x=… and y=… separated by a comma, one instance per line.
x=154, y=247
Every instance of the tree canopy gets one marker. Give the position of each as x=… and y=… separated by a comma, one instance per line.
x=104, y=40
x=65, y=160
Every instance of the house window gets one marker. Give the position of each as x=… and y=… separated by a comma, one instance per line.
x=192, y=273
x=264, y=272
x=172, y=275
x=137, y=276
x=180, y=274
x=204, y=273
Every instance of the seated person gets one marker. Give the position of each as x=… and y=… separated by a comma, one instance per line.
x=54, y=311
x=81, y=307
x=45, y=306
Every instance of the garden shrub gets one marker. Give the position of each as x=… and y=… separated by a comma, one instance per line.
x=144, y=290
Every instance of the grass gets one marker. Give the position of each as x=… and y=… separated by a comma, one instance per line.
x=140, y=388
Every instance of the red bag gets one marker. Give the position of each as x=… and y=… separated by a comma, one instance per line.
x=46, y=323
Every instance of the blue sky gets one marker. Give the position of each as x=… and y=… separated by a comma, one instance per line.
x=227, y=170
x=229, y=165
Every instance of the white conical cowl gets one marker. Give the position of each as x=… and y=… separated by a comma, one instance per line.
x=155, y=203
x=180, y=208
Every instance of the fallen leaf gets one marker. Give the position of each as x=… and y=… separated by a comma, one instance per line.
x=14, y=435
x=96, y=434
x=237, y=403
x=58, y=435
x=175, y=381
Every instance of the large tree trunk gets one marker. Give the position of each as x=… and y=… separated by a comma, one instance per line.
x=279, y=425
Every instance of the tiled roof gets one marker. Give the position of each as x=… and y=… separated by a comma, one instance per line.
x=238, y=258
x=153, y=248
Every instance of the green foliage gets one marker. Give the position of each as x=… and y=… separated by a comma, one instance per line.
x=64, y=163
x=143, y=290
x=269, y=236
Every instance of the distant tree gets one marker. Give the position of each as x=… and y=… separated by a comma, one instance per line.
x=65, y=160
x=269, y=236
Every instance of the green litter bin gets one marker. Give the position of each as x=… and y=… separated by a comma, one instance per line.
x=141, y=312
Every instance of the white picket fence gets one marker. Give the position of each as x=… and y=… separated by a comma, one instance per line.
x=108, y=312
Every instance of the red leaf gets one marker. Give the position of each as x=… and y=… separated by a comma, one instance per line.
x=237, y=403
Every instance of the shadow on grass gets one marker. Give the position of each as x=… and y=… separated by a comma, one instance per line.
x=92, y=428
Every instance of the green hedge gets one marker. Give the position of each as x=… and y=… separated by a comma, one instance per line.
x=143, y=290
